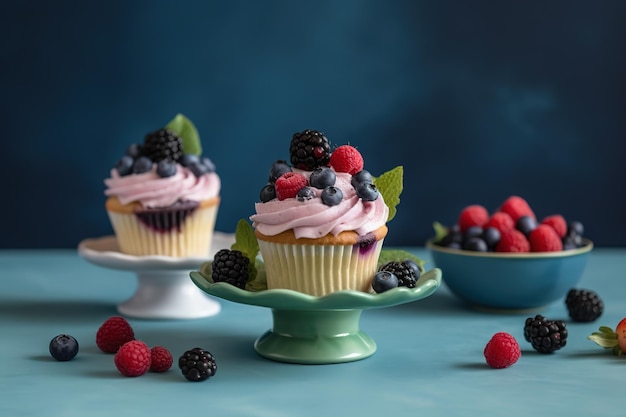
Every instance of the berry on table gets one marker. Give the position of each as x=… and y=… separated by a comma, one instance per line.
x=160, y=359
x=113, y=333
x=584, y=305
x=231, y=266
x=502, y=351
x=197, y=364
x=309, y=149
x=288, y=185
x=346, y=158
x=383, y=281
x=133, y=358
x=614, y=340
x=63, y=347
x=545, y=336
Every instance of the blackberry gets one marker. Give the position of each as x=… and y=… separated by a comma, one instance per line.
x=545, y=335
x=583, y=305
x=162, y=144
x=231, y=266
x=197, y=364
x=403, y=271
x=309, y=149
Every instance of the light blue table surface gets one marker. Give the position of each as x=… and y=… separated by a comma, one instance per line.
x=429, y=360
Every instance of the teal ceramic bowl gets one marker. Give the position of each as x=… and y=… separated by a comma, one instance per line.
x=510, y=282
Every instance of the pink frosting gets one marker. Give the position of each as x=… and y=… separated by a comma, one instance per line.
x=313, y=219
x=153, y=191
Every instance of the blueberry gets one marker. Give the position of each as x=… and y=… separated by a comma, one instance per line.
x=453, y=239
x=575, y=228
x=267, y=193
x=166, y=168
x=569, y=242
x=367, y=191
x=491, y=236
x=197, y=168
x=63, y=347
x=383, y=281
x=471, y=232
x=475, y=244
x=526, y=224
x=124, y=166
x=188, y=159
x=278, y=168
x=305, y=193
x=210, y=166
x=134, y=150
x=331, y=196
x=360, y=178
x=142, y=164
x=322, y=177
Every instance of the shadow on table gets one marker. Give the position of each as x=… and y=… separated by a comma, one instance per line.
x=55, y=311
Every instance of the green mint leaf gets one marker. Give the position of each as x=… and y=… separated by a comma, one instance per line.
x=398, y=255
x=603, y=339
x=390, y=185
x=441, y=231
x=187, y=131
x=246, y=243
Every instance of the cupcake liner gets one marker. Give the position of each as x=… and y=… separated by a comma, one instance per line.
x=319, y=269
x=176, y=233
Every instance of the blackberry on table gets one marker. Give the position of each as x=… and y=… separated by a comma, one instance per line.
x=583, y=305
x=309, y=149
x=197, y=364
x=231, y=266
x=545, y=335
x=162, y=144
x=403, y=271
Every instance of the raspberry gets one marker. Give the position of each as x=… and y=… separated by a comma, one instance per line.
x=513, y=241
x=346, y=158
x=516, y=207
x=113, y=333
x=545, y=335
x=502, y=351
x=558, y=223
x=474, y=215
x=133, y=358
x=544, y=239
x=584, y=305
x=161, y=359
x=501, y=221
x=288, y=185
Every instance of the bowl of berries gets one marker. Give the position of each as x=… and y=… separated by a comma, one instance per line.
x=509, y=260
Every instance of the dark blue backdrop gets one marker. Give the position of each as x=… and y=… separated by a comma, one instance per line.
x=477, y=100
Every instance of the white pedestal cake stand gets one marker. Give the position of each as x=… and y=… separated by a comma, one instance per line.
x=164, y=289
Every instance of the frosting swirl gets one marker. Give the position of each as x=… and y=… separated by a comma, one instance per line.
x=313, y=219
x=153, y=191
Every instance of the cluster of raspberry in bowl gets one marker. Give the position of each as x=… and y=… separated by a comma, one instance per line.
x=513, y=227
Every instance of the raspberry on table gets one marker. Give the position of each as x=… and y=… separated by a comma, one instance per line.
x=544, y=239
x=133, y=358
x=558, y=223
x=513, y=241
x=473, y=215
x=161, y=359
x=288, y=185
x=517, y=207
x=346, y=158
x=113, y=333
x=584, y=305
x=502, y=351
x=545, y=336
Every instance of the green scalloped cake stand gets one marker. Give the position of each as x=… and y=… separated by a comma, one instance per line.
x=317, y=330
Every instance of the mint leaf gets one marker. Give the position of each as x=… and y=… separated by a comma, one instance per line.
x=187, y=131
x=441, y=231
x=246, y=243
x=390, y=185
x=399, y=255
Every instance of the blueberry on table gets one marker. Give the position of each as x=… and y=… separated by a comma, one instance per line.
x=63, y=347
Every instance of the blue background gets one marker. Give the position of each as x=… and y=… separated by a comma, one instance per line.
x=478, y=100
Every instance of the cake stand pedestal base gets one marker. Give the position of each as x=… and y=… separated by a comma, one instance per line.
x=315, y=337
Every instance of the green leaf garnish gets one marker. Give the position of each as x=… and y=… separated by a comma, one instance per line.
x=441, y=231
x=187, y=131
x=246, y=243
x=388, y=255
x=390, y=185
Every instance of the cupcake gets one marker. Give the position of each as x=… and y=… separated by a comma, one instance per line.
x=321, y=219
x=163, y=196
